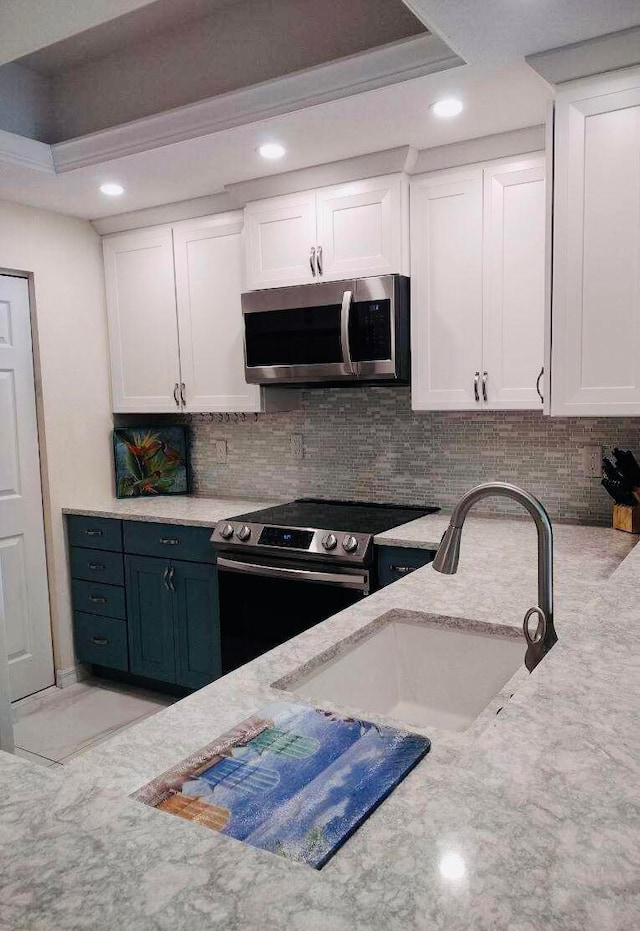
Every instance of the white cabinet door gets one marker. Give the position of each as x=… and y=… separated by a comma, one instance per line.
x=446, y=290
x=280, y=233
x=596, y=279
x=362, y=228
x=143, y=331
x=514, y=283
x=208, y=261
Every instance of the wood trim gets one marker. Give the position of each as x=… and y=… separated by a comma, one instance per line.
x=28, y=153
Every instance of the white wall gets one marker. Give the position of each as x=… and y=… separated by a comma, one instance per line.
x=65, y=257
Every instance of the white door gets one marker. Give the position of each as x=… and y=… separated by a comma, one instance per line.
x=514, y=283
x=446, y=290
x=360, y=228
x=596, y=273
x=24, y=594
x=280, y=235
x=143, y=328
x=208, y=262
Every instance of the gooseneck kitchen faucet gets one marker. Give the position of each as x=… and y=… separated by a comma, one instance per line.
x=446, y=561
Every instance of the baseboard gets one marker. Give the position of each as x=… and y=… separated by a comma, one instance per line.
x=72, y=675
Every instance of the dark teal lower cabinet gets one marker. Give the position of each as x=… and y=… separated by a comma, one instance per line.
x=174, y=625
x=395, y=562
x=196, y=624
x=139, y=609
x=152, y=650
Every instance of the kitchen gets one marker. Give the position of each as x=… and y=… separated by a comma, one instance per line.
x=517, y=374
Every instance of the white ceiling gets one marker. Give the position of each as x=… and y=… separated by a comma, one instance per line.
x=499, y=31
x=495, y=101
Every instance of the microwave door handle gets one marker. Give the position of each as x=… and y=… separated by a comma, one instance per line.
x=347, y=298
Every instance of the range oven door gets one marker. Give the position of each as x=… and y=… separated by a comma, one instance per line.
x=265, y=603
x=333, y=331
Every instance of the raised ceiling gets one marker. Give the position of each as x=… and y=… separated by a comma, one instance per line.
x=168, y=55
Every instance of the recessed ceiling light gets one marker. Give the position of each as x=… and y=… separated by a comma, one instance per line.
x=271, y=150
x=447, y=107
x=111, y=189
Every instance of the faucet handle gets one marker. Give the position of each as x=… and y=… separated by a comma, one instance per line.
x=540, y=630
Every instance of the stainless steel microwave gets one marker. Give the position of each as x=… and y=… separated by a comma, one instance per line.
x=332, y=332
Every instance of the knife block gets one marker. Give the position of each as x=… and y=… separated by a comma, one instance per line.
x=626, y=517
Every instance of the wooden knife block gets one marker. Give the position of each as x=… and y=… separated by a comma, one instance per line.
x=626, y=517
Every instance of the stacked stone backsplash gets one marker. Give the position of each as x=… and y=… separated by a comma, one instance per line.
x=367, y=444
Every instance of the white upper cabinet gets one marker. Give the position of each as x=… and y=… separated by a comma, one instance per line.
x=360, y=228
x=446, y=290
x=175, y=319
x=596, y=269
x=280, y=234
x=143, y=330
x=514, y=283
x=478, y=286
x=208, y=263
x=354, y=229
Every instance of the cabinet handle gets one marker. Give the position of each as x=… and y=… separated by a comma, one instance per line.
x=183, y=394
x=98, y=599
x=485, y=378
x=94, y=533
x=538, y=380
x=176, y=388
x=169, y=541
x=96, y=566
x=403, y=570
x=170, y=578
x=165, y=579
x=100, y=641
x=312, y=260
x=319, y=259
x=476, y=381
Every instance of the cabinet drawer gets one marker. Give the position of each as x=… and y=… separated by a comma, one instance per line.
x=98, y=598
x=101, y=640
x=395, y=562
x=100, y=533
x=171, y=541
x=97, y=565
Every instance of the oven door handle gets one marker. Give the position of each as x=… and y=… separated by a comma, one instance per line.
x=343, y=580
x=345, y=314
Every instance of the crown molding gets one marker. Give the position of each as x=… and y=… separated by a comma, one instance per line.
x=481, y=149
x=393, y=63
x=611, y=52
x=28, y=153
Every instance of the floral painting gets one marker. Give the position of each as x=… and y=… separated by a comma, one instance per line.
x=150, y=461
x=294, y=780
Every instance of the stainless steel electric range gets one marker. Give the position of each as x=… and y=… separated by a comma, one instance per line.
x=281, y=570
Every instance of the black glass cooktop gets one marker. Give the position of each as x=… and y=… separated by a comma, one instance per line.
x=348, y=516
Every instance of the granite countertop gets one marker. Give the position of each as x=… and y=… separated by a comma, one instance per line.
x=540, y=806
x=172, y=509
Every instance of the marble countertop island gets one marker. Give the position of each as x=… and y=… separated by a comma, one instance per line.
x=530, y=821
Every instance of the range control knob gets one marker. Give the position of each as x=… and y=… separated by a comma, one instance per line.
x=243, y=533
x=226, y=531
x=350, y=544
x=329, y=541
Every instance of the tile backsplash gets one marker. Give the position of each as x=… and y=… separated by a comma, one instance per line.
x=367, y=444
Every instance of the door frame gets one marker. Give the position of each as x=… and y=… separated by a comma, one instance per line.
x=42, y=458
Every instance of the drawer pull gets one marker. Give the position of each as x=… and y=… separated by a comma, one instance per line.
x=403, y=570
x=100, y=641
x=169, y=541
x=98, y=599
x=94, y=533
x=97, y=566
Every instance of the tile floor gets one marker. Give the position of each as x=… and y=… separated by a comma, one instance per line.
x=52, y=727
